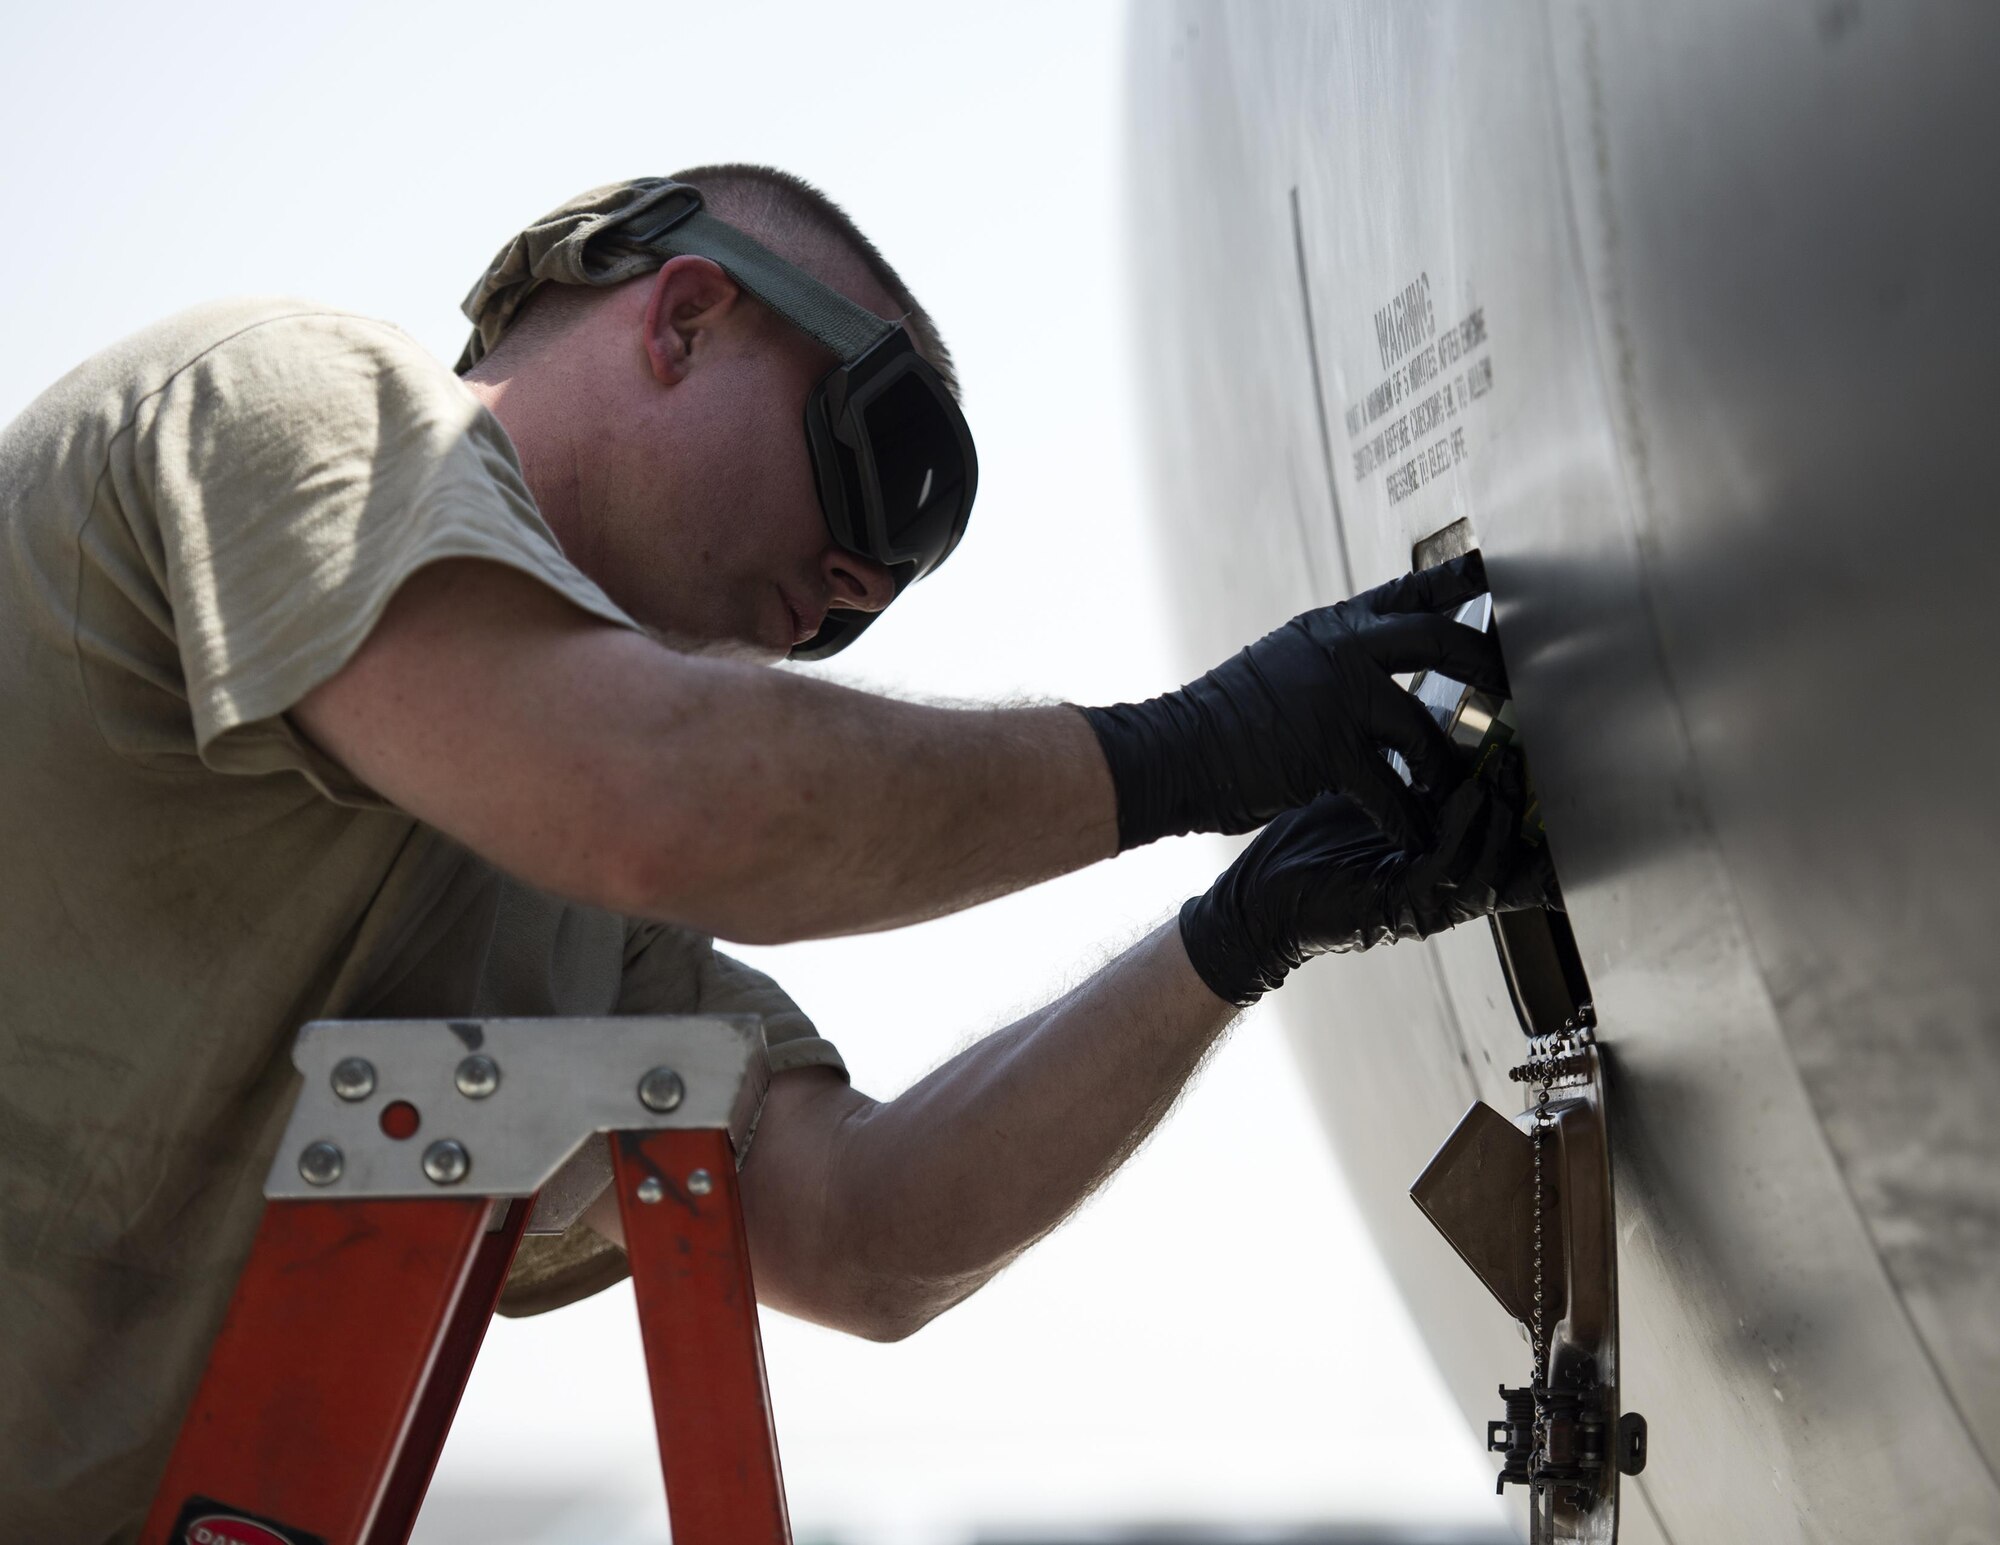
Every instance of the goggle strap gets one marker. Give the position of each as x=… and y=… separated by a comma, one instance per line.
x=850, y=331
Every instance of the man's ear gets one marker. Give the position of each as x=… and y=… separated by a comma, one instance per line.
x=689, y=299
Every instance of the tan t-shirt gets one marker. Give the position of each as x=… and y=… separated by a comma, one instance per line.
x=197, y=527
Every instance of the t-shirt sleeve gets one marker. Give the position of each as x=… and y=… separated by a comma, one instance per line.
x=300, y=471
x=659, y=959
x=667, y=971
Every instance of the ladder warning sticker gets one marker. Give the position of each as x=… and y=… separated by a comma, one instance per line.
x=1407, y=426
x=204, y=1521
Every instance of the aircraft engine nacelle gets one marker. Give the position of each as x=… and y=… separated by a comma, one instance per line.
x=1691, y=315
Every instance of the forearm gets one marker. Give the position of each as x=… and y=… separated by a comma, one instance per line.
x=930, y=1194
x=754, y=804
x=788, y=808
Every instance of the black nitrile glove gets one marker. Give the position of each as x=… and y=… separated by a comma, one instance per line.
x=1323, y=879
x=1304, y=711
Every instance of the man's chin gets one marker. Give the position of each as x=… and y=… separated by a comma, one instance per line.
x=745, y=651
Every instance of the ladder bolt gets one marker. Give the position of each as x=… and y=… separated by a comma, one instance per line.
x=700, y=1183
x=321, y=1163
x=354, y=1078
x=650, y=1189
x=477, y=1076
x=661, y=1090
x=446, y=1162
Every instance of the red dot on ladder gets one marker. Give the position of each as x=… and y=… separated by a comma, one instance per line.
x=399, y=1119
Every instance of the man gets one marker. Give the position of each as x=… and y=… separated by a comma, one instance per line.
x=335, y=686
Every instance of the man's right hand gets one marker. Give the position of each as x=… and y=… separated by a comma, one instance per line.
x=1306, y=710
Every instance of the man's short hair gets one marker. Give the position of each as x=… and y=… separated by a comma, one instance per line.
x=806, y=228
x=785, y=213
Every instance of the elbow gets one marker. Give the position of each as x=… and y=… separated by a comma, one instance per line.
x=888, y=1331
x=655, y=870
x=880, y=1309
x=866, y=1252
x=894, y=1316
x=881, y=1328
x=693, y=880
x=900, y=1315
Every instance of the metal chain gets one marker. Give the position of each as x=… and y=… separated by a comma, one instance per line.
x=1552, y=1060
x=1538, y=1341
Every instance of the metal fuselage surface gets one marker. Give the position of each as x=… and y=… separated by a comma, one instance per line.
x=1690, y=311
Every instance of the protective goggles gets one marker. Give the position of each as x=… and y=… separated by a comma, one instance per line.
x=892, y=456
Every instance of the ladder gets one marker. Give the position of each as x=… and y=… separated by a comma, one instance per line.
x=417, y=1156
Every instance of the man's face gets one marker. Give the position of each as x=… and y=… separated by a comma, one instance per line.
x=698, y=511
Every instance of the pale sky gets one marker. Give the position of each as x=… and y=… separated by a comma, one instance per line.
x=1213, y=1338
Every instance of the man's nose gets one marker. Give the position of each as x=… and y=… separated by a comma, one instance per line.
x=858, y=583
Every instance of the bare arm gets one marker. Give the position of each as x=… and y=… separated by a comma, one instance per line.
x=752, y=804
x=875, y=1217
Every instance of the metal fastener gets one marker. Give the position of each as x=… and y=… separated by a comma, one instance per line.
x=477, y=1076
x=661, y=1090
x=446, y=1162
x=321, y=1163
x=650, y=1189
x=700, y=1183
x=1631, y=1441
x=354, y=1078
